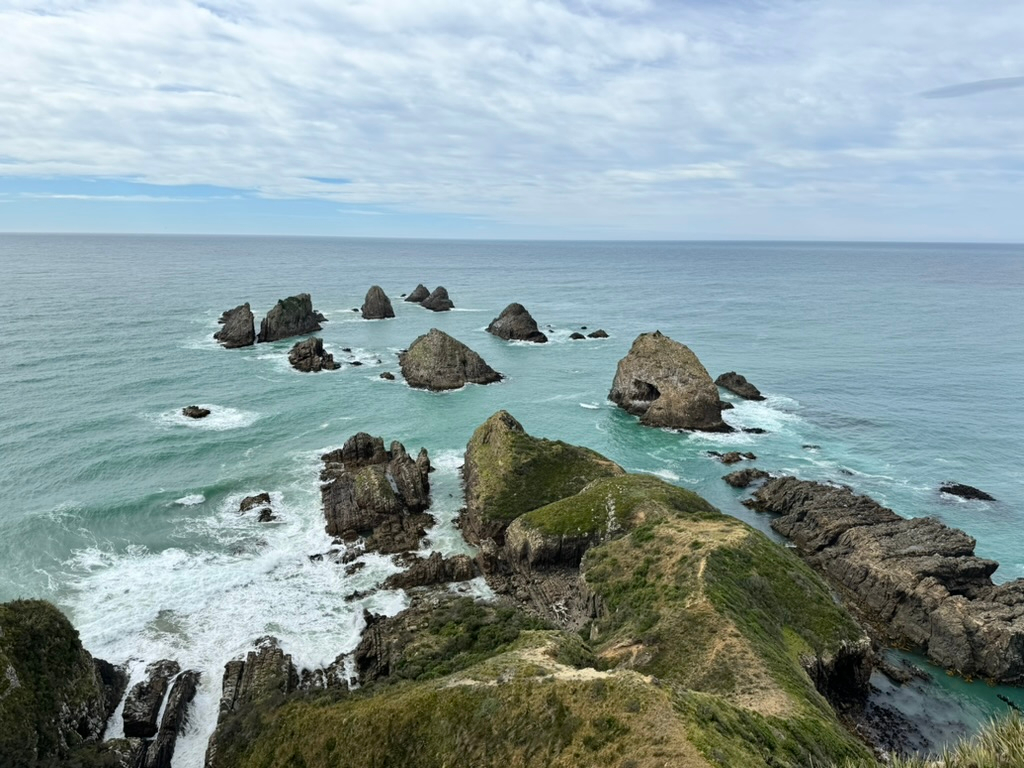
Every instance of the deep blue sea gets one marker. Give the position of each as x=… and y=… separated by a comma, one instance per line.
x=903, y=363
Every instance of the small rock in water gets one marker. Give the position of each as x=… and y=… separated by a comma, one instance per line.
x=739, y=385
x=742, y=478
x=965, y=491
x=356, y=362
x=598, y=334
x=755, y=430
x=576, y=336
x=195, y=412
x=810, y=447
x=388, y=376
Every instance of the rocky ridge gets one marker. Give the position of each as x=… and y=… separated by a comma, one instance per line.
x=916, y=581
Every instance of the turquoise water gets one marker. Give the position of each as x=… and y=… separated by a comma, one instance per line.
x=904, y=363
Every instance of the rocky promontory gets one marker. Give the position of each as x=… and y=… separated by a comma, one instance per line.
x=515, y=323
x=377, y=305
x=438, y=362
x=738, y=385
x=293, y=316
x=664, y=383
x=917, y=581
x=310, y=356
x=239, y=327
x=376, y=495
x=438, y=300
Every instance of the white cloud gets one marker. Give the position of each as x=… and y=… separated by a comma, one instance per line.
x=534, y=112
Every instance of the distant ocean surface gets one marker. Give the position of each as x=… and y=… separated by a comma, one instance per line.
x=902, y=363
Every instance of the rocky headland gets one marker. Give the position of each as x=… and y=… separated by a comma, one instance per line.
x=239, y=327
x=664, y=383
x=377, y=305
x=293, y=316
x=515, y=323
x=439, y=362
x=309, y=356
x=916, y=581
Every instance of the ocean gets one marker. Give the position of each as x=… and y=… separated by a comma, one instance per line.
x=889, y=367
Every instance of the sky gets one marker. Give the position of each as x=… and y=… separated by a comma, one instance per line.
x=581, y=119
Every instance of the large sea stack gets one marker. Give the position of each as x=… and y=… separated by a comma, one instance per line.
x=239, y=327
x=516, y=324
x=438, y=362
x=664, y=383
x=438, y=300
x=293, y=316
x=310, y=356
x=377, y=305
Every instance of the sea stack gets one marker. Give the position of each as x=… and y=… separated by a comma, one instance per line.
x=664, y=383
x=516, y=324
x=293, y=316
x=438, y=362
x=438, y=300
x=309, y=356
x=377, y=305
x=239, y=327
x=738, y=385
x=419, y=293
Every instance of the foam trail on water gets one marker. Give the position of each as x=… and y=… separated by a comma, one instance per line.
x=191, y=500
x=221, y=418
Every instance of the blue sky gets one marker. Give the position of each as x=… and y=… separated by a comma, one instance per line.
x=522, y=118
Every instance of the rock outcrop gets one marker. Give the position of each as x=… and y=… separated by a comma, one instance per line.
x=916, y=581
x=142, y=705
x=376, y=495
x=743, y=478
x=435, y=569
x=161, y=751
x=195, y=412
x=438, y=362
x=54, y=697
x=516, y=324
x=418, y=295
x=965, y=492
x=576, y=336
x=239, y=327
x=293, y=316
x=261, y=503
x=377, y=305
x=438, y=300
x=738, y=385
x=664, y=383
x=309, y=356
x=508, y=472
x=598, y=334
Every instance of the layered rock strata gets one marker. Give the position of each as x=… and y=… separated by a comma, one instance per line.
x=293, y=316
x=515, y=323
x=309, y=356
x=664, y=383
x=917, y=581
x=438, y=362
x=142, y=705
x=377, y=495
x=239, y=327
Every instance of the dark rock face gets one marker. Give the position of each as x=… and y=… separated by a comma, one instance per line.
x=743, y=478
x=142, y=705
x=739, y=385
x=239, y=328
x=598, y=334
x=576, y=336
x=195, y=412
x=377, y=305
x=377, y=495
x=438, y=300
x=54, y=696
x=965, y=491
x=418, y=294
x=916, y=581
x=161, y=751
x=309, y=356
x=266, y=673
x=725, y=405
x=261, y=502
x=436, y=569
x=516, y=324
x=732, y=457
x=388, y=376
x=293, y=316
x=664, y=383
x=438, y=362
